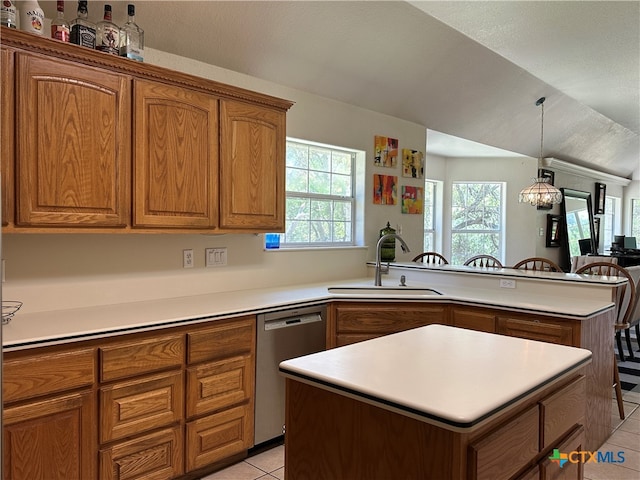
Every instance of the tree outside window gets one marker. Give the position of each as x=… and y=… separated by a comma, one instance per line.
x=476, y=220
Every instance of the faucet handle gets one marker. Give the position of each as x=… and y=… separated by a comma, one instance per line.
x=384, y=268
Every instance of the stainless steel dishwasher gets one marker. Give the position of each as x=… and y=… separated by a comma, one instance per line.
x=282, y=335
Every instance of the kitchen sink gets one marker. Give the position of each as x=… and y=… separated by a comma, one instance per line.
x=382, y=291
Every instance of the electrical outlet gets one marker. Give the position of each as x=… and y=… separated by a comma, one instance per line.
x=215, y=257
x=507, y=283
x=4, y=279
x=187, y=258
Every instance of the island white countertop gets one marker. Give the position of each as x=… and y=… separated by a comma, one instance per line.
x=33, y=329
x=453, y=377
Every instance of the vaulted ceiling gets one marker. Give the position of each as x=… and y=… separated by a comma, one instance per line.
x=469, y=69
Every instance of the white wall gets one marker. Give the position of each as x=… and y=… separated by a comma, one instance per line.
x=57, y=271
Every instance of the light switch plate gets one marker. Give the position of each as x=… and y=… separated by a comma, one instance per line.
x=215, y=257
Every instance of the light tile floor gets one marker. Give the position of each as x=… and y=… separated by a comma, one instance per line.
x=625, y=437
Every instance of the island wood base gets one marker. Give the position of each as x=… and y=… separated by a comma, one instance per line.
x=331, y=436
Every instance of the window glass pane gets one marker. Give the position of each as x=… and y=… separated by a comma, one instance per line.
x=341, y=163
x=341, y=185
x=297, y=209
x=297, y=155
x=297, y=180
x=320, y=159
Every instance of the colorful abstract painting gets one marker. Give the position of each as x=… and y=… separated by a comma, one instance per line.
x=412, y=163
x=385, y=152
x=412, y=199
x=385, y=189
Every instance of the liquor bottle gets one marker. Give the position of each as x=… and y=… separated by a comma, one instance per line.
x=83, y=32
x=9, y=14
x=107, y=34
x=132, y=37
x=31, y=17
x=60, y=29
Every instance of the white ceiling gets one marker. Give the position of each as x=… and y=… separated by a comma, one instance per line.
x=472, y=70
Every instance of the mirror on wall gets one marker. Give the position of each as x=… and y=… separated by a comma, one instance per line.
x=579, y=236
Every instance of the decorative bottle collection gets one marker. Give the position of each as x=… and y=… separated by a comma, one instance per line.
x=104, y=36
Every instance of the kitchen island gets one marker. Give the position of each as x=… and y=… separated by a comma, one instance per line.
x=434, y=402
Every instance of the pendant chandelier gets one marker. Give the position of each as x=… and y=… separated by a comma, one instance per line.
x=541, y=193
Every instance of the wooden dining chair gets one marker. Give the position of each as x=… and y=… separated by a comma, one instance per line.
x=487, y=261
x=431, y=258
x=538, y=264
x=625, y=297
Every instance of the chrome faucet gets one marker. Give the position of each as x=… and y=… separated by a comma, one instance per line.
x=405, y=249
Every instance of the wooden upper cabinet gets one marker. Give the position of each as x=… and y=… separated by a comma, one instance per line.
x=176, y=157
x=252, y=167
x=73, y=144
x=7, y=143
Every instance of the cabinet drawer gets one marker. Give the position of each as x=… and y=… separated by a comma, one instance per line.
x=516, y=441
x=144, y=356
x=213, y=438
x=536, y=330
x=474, y=320
x=570, y=471
x=137, y=406
x=218, y=385
x=157, y=456
x=225, y=339
x=38, y=375
x=560, y=411
x=386, y=318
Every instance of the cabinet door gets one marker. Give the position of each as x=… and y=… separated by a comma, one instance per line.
x=51, y=439
x=7, y=140
x=74, y=146
x=252, y=167
x=176, y=157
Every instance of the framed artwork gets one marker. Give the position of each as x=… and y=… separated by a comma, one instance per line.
x=596, y=230
x=412, y=163
x=385, y=151
x=601, y=192
x=553, y=230
x=385, y=189
x=550, y=176
x=412, y=199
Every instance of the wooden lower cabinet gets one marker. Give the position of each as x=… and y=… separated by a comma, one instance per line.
x=572, y=470
x=52, y=438
x=152, y=405
x=322, y=425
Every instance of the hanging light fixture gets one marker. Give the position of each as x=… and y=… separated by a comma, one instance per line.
x=541, y=193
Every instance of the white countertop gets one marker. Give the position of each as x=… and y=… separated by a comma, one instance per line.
x=41, y=328
x=449, y=376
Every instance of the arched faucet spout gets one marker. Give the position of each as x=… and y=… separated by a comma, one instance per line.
x=405, y=249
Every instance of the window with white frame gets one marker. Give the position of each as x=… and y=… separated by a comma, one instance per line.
x=476, y=220
x=611, y=222
x=320, y=195
x=429, y=243
x=635, y=218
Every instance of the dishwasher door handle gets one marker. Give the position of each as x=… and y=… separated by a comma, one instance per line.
x=291, y=321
